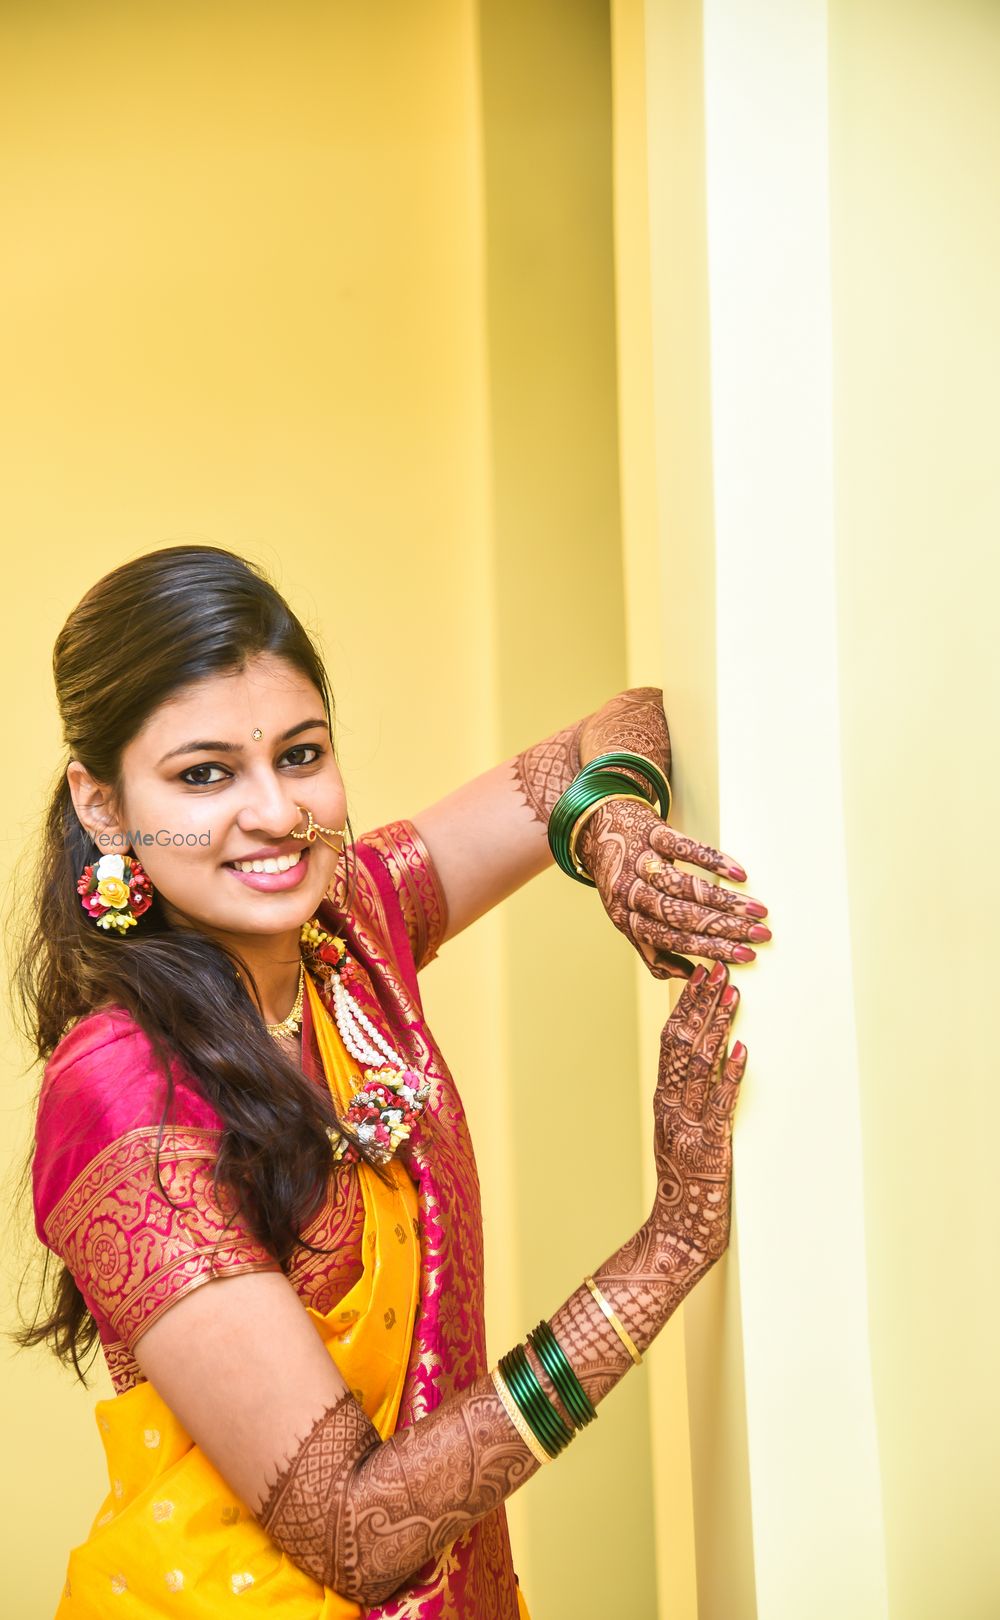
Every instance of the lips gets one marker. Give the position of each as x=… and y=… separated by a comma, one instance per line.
x=272, y=882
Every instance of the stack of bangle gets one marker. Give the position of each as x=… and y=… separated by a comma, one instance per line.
x=536, y=1418
x=568, y=1387
x=593, y=786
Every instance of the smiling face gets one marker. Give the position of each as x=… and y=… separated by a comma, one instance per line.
x=212, y=795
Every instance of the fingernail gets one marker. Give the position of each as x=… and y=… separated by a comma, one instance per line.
x=760, y=932
x=729, y=995
x=737, y=872
x=743, y=953
x=717, y=973
x=738, y=1052
x=698, y=974
x=753, y=908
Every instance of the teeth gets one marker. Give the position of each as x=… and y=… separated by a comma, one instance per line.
x=281, y=864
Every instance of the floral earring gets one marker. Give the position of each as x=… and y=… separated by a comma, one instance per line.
x=114, y=891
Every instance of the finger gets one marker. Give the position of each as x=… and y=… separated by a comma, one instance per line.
x=661, y=874
x=708, y=1048
x=720, y=1105
x=681, y=1038
x=667, y=841
x=673, y=939
x=684, y=1017
x=677, y=1039
x=685, y=916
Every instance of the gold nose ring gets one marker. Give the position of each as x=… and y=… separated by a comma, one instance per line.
x=314, y=830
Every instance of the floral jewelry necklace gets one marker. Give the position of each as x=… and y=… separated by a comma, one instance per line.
x=386, y=1108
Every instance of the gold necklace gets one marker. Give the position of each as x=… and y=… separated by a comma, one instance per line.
x=291, y=1024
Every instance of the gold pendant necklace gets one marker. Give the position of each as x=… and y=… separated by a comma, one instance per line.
x=292, y=1024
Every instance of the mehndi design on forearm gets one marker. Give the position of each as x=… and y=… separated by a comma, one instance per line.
x=688, y=1231
x=633, y=722
x=361, y=1515
x=546, y=769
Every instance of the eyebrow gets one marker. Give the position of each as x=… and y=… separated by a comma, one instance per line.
x=236, y=748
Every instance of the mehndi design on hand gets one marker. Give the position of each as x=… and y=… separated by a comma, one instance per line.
x=628, y=852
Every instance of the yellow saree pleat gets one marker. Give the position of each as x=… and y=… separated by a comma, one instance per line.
x=171, y=1537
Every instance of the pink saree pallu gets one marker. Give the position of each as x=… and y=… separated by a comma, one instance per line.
x=404, y=1324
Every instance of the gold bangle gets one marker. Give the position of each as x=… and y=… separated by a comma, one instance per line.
x=511, y=1409
x=581, y=818
x=612, y=1318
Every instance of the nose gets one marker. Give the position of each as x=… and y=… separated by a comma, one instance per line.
x=269, y=808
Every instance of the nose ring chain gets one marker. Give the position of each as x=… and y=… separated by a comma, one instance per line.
x=314, y=830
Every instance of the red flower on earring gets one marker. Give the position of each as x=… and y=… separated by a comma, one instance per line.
x=114, y=891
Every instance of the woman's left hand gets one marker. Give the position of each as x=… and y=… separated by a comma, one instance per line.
x=629, y=852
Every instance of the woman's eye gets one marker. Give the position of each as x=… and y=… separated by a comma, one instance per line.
x=187, y=775
x=304, y=748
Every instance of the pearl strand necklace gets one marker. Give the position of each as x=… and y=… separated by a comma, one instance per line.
x=354, y=1024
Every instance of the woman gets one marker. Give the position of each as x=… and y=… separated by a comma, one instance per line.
x=240, y=1088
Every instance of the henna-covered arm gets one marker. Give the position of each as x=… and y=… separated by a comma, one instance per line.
x=633, y=720
x=488, y=836
x=629, y=851
x=361, y=1515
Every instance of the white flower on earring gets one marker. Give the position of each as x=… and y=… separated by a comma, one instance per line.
x=109, y=866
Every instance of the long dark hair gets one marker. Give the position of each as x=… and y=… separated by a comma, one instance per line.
x=143, y=631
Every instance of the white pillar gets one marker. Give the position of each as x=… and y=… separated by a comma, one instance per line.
x=814, y=1474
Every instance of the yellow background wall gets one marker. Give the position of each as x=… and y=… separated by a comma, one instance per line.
x=248, y=303
x=531, y=372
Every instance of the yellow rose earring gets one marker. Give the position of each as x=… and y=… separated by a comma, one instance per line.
x=314, y=830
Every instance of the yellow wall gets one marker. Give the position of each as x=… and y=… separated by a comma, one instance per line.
x=256, y=259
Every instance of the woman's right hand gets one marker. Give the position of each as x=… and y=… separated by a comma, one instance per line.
x=697, y=1090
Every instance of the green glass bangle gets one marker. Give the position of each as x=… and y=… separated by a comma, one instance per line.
x=530, y=1414
x=558, y=1433
x=538, y=1410
x=553, y=1358
x=582, y=792
x=634, y=762
x=552, y=1432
